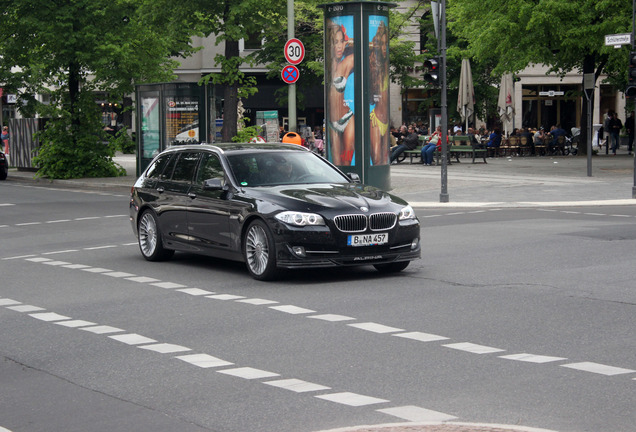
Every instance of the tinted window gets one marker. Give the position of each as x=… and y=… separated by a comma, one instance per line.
x=155, y=170
x=210, y=168
x=186, y=167
x=275, y=168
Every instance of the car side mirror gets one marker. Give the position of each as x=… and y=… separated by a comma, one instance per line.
x=354, y=177
x=214, y=184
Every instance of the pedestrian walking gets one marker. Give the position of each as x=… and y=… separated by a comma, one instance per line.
x=5, y=139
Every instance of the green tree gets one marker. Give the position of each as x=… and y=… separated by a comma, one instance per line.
x=564, y=35
x=230, y=21
x=70, y=49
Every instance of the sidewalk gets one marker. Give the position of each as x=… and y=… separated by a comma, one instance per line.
x=502, y=182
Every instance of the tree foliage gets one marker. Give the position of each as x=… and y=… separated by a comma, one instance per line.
x=563, y=35
x=70, y=49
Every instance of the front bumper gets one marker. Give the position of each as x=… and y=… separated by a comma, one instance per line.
x=322, y=247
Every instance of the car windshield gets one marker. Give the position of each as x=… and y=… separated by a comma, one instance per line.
x=282, y=168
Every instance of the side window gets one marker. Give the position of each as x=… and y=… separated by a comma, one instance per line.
x=186, y=166
x=210, y=168
x=157, y=168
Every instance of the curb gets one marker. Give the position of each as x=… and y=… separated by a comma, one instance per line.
x=523, y=204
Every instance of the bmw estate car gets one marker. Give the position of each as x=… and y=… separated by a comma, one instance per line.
x=272, y=206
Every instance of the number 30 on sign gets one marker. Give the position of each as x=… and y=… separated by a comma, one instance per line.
x=294, y=51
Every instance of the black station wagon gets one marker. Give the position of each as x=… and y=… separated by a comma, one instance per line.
x=272, y=206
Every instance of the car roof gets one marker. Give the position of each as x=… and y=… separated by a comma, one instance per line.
x=230, y=148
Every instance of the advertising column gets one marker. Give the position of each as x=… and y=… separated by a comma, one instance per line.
x=357, y=119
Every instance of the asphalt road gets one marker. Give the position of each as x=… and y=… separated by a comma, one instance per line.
x=519, y=316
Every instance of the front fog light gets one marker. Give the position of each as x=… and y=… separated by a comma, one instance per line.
x=415, y=243
x=299, y=251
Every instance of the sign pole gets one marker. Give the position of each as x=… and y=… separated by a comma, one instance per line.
x=291, y=96
x=634, y=125
x=443, y=196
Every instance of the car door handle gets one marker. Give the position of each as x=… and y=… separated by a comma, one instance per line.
x=160, y=189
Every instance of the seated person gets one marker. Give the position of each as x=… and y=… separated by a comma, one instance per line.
x=555, y=133
x=495, y=138
x=475, y=141
x=410, y=142
x=435, y=142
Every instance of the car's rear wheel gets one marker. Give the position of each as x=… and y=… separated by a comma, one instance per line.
x=259, y=251
x=393, y=267
x=150, y=243
x=4, y=171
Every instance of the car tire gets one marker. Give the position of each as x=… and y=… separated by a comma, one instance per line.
x=393, y=267
x=149, y=238
x=4, y=172
x=259, y=251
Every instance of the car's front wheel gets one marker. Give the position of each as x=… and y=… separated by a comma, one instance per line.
x=393, y=267
x=149, y=236
x=259, y=251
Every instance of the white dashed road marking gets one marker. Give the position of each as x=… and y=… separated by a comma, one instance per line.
x=294, y=310
x=248, y=373
x=375, y=328
x=422, y=337
x=297, y=385
x=532, y=358
x=204, y=360
x=168, y=285
x=49, y=316
x=417, y=414
x=332, y=317
x=598, y=368
x=473, y=348
x=132, y=339
x=102, y=329
x=165, y=348
x=351, y=399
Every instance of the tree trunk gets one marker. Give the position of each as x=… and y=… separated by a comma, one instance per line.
x=73, y=96
x=230, y=95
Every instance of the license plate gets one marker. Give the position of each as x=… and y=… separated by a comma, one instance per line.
x=367, y=239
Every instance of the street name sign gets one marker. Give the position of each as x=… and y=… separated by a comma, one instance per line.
x=617, y=40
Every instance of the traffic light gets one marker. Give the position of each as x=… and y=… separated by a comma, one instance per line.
x=630, y=91
x=431, y=74
x=632, y=69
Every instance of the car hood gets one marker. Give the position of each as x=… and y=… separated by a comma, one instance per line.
x=316, y=197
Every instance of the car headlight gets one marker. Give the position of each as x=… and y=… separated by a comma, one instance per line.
x=299, y=218
x=407, y=213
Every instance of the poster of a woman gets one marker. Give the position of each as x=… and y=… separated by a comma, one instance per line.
x=379, y=89
x=340, y=91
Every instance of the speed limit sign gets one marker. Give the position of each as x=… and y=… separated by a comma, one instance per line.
x=294, y=51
